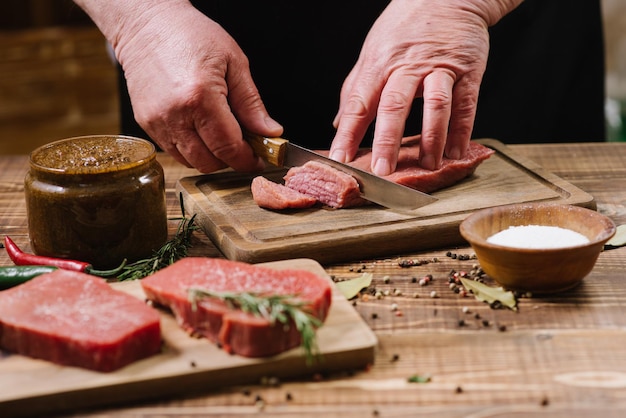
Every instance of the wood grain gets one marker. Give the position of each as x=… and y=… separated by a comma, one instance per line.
x=243, y=231
x=561, y=355
x=29, y=386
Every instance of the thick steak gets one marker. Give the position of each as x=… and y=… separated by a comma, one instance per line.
x=234, y=330
x=74, y=319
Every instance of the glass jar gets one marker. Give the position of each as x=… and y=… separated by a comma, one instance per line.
x=98, y=199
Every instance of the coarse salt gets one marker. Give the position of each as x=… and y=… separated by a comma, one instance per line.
x=538, y=236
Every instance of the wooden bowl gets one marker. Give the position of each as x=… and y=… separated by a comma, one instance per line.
x=537, y=270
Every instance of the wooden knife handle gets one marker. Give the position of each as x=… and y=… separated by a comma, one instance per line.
x=270, y=149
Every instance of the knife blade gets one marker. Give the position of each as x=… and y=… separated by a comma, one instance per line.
x=282, y=153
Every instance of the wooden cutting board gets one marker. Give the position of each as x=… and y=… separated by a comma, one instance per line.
x=186, y=365
x=243, y=231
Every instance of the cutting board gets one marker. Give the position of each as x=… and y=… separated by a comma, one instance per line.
x=186, y=365
x=226, y=212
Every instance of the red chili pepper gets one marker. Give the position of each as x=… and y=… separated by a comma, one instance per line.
x=21, y=258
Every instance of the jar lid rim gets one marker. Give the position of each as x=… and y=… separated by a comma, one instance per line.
x=92, y=154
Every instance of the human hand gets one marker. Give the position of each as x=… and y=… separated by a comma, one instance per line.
x=418, y=48
x=190, y=85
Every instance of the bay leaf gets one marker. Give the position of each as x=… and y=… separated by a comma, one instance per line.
x=490, y=294
x=351, y=287
x=619, y=239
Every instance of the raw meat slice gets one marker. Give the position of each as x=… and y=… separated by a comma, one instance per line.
x=75, y=319
x=270, y=195
x=330, y=186
x=234, y=330
x=408, y=173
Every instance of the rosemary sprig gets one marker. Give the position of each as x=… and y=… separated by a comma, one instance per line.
x=272, y=307
x=172, y=251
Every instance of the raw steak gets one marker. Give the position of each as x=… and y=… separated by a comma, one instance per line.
x=408, y=173
x=270, y=195
x=74, y=319
x=332, y=187
x=236, y=331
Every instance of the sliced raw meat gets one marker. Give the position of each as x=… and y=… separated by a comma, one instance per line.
x=270, y=195
x=411, y=175
x=74, y=319
x=237, y=332
x=332, y=187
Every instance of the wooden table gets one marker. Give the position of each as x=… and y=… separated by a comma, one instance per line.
x=560, y=355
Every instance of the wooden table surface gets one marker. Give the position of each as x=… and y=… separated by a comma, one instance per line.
x=559, y=355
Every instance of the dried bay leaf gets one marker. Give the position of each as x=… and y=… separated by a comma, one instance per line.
x=619, y=239
x=490, y=294
x=350, y=288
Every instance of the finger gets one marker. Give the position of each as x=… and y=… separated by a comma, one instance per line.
x=437, y=96
x=358, y=109
x=393, y=109
x=465, y=100
x=343, y=94
x=192, y=149
x=221, y=134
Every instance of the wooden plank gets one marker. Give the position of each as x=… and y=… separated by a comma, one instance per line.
x=243, y=231
x=186, y=364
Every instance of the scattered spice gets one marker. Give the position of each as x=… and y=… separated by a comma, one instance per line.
x=619, y=239
x=351, y=288
x=495, y=296
x=416, y=378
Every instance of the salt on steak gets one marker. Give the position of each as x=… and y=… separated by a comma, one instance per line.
x=410, y=174
x=270, y=195
x=330, y=186
x=236, y=331
x=75, y=319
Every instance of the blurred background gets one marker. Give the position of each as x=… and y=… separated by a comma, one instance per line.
x=57, y=79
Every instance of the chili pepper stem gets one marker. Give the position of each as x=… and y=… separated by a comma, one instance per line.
x=106, y=273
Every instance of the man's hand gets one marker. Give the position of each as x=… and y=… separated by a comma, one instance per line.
x=418, y=48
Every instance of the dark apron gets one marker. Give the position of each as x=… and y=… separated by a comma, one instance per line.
x=544, y=80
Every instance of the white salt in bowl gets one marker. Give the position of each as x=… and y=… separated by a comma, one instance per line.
x=537, y=270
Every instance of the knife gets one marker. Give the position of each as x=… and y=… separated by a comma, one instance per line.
x=282, y=153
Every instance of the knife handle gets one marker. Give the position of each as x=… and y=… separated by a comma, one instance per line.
x=270, y=149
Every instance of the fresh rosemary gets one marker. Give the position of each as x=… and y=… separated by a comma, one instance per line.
x=172, y=251
x=272, y=307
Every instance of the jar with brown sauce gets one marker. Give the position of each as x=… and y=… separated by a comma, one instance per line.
x=98, y=199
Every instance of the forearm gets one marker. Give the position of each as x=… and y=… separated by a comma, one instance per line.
x=121, y=19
